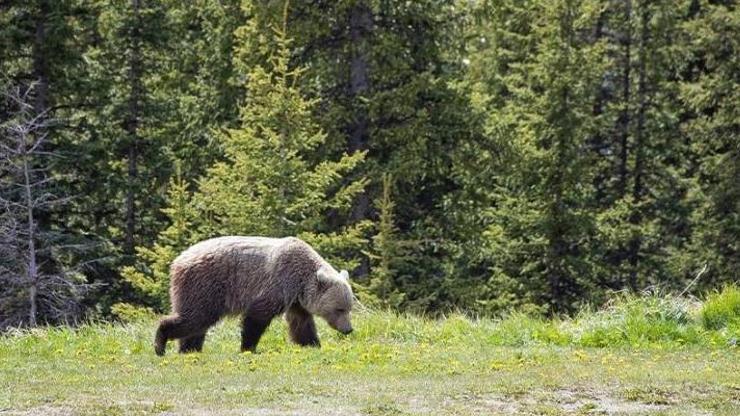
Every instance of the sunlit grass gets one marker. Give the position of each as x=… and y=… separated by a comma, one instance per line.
x=722, y=309
x=637, y=356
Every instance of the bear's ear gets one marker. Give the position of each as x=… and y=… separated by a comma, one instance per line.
x=344, y=275
x=321, y=274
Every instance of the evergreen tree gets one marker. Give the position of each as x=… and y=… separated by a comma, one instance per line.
x=389, y=253
x=393, y=98
x=126, y=121
x=645, y=214
x=160, y=81
x=542, y=153
x=711, y=94
x=198, y=84
x=41, y=48
x=499, y=38
x=268, y=183
x=540, y=226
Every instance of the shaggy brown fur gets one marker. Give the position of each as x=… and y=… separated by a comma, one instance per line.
x=256, y=277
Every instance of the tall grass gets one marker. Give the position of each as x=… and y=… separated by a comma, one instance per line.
x=642, y=320
x=627, y=321
x=722, y=309
x=635, y=321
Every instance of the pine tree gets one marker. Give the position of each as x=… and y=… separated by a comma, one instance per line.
x=389, y=253
x=393, y=98
x=125, y=122
x=41, y=47
x=153, y=284
x=268, y=183
x=198, y=88
x=500, y=39
x=159, y=83
x=540, y=226
x=710, y=92
x=645, y=213
x=543, y=153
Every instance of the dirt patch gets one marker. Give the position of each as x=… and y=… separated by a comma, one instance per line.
x=603, y=402
x=60, y=411
x=39, y=411
x=557, y=402
x=265, y=412
x=551, y=402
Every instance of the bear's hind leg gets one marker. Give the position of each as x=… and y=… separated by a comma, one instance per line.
x=165, y=332
x=192, y=344
x=180, y=326
x=301, y=327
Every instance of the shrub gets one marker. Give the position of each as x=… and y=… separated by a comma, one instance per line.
x=126, y=312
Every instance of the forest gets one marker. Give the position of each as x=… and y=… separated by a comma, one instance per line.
x=481, y=156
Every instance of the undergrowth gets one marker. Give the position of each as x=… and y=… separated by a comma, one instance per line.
x=626, y=321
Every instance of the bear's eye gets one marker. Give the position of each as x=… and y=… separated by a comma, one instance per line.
x=341, y=310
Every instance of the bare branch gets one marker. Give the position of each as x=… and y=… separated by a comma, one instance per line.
x=34, y=286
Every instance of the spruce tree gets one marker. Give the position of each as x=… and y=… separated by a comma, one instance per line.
x=126, y=121
x=540, y=227
x=393, y=96
x=385, y=288
x=273, y=180
x=644, y=215
x=710, y=91
x=198, y=83
x=42, y=43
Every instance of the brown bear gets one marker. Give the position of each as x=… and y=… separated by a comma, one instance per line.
x=259, y=278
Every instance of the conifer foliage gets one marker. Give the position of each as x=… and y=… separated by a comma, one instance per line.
x=270, y=182
x=470, y=155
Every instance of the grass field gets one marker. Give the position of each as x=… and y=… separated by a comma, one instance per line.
x=611, y=362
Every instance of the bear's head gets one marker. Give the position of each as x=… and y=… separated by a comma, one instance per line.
x=332, y=299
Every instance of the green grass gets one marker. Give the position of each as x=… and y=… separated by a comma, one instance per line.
x=722, y=309
x=391, y=365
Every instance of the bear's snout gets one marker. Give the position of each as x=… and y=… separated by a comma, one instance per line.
x=341, y=324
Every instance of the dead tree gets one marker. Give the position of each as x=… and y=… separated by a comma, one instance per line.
x=34, y=288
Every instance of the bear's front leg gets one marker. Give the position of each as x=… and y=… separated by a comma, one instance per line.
x=255, y=322
x=301, y=327
x=252, y=330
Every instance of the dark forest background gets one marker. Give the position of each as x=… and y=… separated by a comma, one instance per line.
x=478, y=155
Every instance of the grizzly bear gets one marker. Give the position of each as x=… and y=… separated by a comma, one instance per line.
x=259, y=278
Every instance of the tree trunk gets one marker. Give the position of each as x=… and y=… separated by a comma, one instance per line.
x=599, y=143
x=637, y=190
x=40, y=67
x=624, y=116
x=558, y=278
x=40, y=107
x=132, y=128
x=560, y=281
x=360, y=27
x=32, y=273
